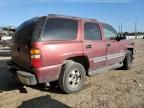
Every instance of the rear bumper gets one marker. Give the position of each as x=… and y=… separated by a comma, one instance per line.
x=39, y=75
x=22, y=76
x=26, y=78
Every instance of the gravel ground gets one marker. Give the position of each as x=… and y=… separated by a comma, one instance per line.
x=113, y=89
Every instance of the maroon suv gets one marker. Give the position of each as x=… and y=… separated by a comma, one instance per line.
x=65, y=49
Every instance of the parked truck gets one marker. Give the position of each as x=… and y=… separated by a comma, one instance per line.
x=64, y=49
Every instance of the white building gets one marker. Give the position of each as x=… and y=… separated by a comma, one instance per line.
x=135, y=37
x=5, y=34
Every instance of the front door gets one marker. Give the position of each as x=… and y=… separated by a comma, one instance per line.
x=94, y=45
x=115, y=49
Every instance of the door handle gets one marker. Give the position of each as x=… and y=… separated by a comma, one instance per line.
x=88, y=46
x=18, y=49
x=108, y=45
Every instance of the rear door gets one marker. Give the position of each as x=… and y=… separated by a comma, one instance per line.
x=94, y=45
x=115, y=48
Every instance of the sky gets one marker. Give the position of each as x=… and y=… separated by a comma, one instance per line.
x=115, y=12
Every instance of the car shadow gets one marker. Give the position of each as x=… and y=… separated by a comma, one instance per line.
x=42, y=102
x=51, y=89
x=120, y=68
x=8, y=82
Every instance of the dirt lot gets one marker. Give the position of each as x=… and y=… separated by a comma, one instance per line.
x=114, y=89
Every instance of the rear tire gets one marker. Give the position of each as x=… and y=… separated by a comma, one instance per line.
x=72, y=77
x=127, y=63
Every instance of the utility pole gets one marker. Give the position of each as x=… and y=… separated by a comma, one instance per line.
x=121, y=28
x=136, y=29
x=135, y=26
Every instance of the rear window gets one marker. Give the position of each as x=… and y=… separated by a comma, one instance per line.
x=24, y=32
x=60, y=29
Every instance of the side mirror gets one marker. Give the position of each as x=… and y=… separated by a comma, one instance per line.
x=120, y=37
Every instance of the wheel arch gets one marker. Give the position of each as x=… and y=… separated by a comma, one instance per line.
x=131, y=49
x=83, y=60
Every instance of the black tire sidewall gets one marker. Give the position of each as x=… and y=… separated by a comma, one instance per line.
x=63, y=82
x=128, y=60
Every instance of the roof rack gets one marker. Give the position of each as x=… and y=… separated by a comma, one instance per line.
x=72, y=17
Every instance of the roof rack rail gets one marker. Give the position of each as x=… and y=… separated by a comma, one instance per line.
x=73, y=17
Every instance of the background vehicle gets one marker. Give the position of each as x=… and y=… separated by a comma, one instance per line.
x=65, y=49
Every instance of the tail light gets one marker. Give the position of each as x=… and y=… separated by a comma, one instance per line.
x=35, y=55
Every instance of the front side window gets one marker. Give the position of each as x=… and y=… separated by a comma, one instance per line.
x=92, y=31
x=109, y=32
x=60, y=29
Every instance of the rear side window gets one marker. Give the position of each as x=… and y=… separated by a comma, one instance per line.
x=92, y=31
x=24, y=32
x=60, y=29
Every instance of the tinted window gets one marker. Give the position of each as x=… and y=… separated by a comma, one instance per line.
x=24, y=32
x=92, y=31
x=60, y=29
x=109, y=32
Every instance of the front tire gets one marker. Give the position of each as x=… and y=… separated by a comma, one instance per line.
x=127, y=63
x=72, y=77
